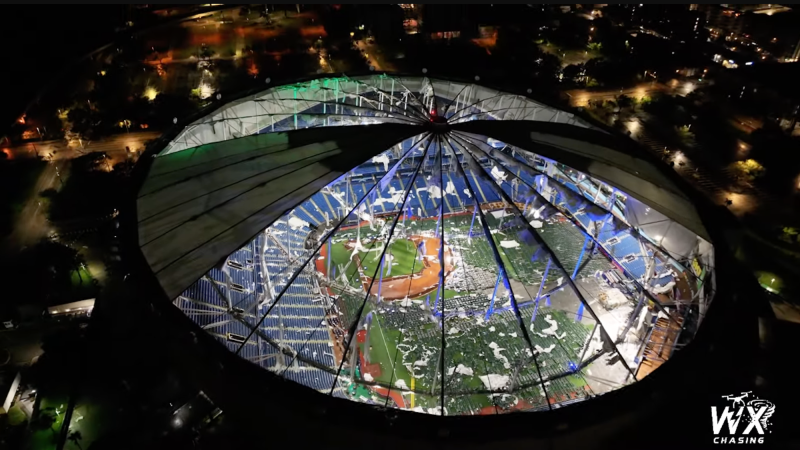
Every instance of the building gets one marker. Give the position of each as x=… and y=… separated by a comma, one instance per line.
x=79, y=308
x=330, y=234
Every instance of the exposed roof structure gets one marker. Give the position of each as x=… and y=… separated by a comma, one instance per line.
x=425, y=244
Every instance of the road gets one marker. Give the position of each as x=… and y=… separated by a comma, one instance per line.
x=32, y=224
x=581, y=97
x=375, y=57
x=719, y=186
x=24, y=342
x=62, y=149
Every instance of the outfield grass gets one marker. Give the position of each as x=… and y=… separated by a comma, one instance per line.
x=384, y=352
x=341, y=256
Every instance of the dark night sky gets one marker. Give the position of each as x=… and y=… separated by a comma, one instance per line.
x=36, y=41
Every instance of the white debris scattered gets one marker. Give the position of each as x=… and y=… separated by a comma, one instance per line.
x=466, y=191
x=339, y=197
x=434, y=192
x=452, y=330
x=500, y=214
x=497, y=349
x=494, y=381
x=382, y=159
x=296, y=224
x=658, y=289
x=394, y=198
x=545, y=350
x=536, y=223
x=513, y=334
x=368, y=377
x=405, y=302
x=421, y=363
x=450, y=188
x=509, y=244
x=401, y=384
x=502, y=334
x=491, y=328
x=559, y=281
x=499, y=175
x=615, y=297
x=553, y=329
x=462, y=369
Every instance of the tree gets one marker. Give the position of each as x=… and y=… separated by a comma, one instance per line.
x=90, y=191
x=170, y=106
x=571, y=33
x=623, y=102
x=76, y=437
x=573, y=73
x=790, y=235
x=777, y=152
x=45, y=420
x=669, y=109
x=386, y=23
x=594, y=46
x=82, y=120
x=549, y=67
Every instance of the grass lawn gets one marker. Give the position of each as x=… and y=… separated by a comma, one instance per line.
x=770, y=280
x=82, y=286
x=91, y=420
x=16, y=416
x=46, y=439
x=384, y=351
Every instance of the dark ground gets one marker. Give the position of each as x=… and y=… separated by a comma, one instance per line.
x=37, y=43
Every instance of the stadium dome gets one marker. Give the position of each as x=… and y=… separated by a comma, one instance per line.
x=424, y=244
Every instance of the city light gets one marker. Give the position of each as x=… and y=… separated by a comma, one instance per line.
x=205, y=90
x=150, y=93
